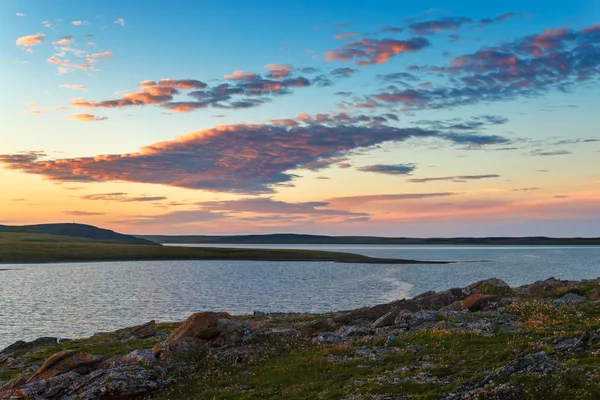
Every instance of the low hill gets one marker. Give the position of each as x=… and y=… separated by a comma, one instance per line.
x=288, y=238
x=79, y=231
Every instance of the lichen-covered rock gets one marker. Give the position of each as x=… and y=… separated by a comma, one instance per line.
x=547, y=285
x=474, y=301
x=536, y=363
x=63, y=362
x=51, y=388
x=119, y=383
x=215, y=328
x=494, y=282
x=326, y=337
x=144, y=356
x=351, y=331
x=142, y=331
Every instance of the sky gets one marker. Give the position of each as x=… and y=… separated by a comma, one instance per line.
x=389, y=118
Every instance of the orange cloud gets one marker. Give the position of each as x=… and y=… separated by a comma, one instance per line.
x=76, y=87
x=87, y=117
x=25, y=42
x=239, y=75
x=79, y=23
x=183, y=84
x=64, y=41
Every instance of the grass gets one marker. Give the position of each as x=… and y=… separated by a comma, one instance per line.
x=291, y=368
x=422, y=365
x=30, y=248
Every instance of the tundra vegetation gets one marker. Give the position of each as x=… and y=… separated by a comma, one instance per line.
x=484, y=341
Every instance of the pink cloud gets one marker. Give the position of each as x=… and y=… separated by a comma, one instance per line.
x=241, y=75
x=278, y=71
x=76, y=87
x=87, y=117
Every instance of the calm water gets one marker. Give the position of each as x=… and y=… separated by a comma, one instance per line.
x=79, y=299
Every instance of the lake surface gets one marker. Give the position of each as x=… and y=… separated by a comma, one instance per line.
x=80, y=299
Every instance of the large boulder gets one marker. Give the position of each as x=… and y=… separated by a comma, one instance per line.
x=205, y=328
x=491, y=283
x=475, y=302
x=547, y=285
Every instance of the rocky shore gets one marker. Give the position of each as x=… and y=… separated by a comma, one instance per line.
x=486, y=341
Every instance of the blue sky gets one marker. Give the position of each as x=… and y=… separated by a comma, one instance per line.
x=459, y=72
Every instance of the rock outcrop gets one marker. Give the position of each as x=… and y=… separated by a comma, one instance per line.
x=201, y=329
x=485, y=341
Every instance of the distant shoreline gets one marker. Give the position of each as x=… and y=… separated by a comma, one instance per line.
x=48, y=253
x=299, y=239
x=367, y=260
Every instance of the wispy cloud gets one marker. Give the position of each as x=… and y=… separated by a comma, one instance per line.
x=69, y=86
x=548, y=153
x=270, y=206
x=87, y=117
x=122, y=197
x=399, y=169
x=82, y=213
x=352, y=201
x=459, y=178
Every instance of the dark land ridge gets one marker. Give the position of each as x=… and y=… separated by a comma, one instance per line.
x=486, y=341
x=290, y=238
x=76, y=242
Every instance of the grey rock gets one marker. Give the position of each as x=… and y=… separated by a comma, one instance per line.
x=387, y=319
x=569, y=298
x=122, y=382
x=350, y=331
x=327, y=337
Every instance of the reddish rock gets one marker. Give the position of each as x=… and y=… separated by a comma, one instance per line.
x=215, y=328
x=475, y=301
x=63, y=362
x=16, y=382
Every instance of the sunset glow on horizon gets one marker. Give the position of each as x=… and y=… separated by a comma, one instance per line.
x=337, y=118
